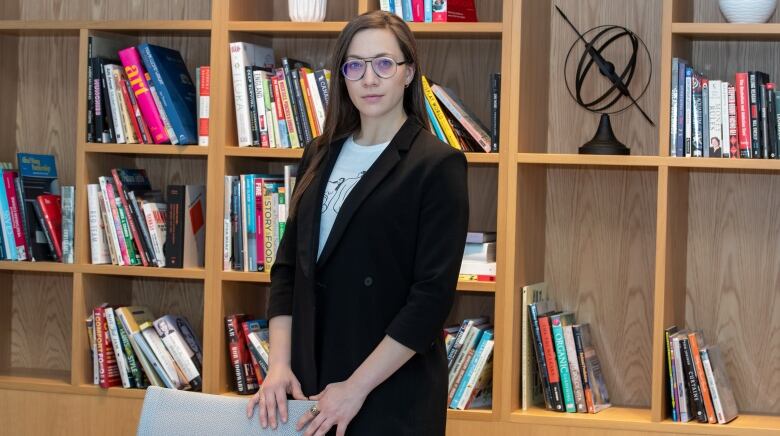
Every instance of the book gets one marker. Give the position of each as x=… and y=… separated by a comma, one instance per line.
x=596, y=381
x=37, y=175
x=242, y=55
x=558, y=322
x=533, y=390
x=180, y=351
x=719, y=384
x=68, y=204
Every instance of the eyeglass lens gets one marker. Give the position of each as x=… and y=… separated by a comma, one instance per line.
x=384, y=67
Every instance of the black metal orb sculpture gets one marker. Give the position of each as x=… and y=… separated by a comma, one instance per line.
x=596, y=41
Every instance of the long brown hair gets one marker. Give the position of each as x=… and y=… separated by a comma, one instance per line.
x=341, y=116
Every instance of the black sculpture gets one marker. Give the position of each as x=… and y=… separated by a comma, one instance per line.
x=605, y=142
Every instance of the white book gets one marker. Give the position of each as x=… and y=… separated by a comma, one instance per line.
x=117, y=73
x=66, y=195
x=106, y=230
x=116, y=115
x=242, y=55
x=161, y=353
x=319, y=108
x=724, y=118
x=485, y=252
x=688, y=114
x=97, y=237
x=121, y=360
x=163, y=115
x=262, y=120
x=472, y=267
x=111, y=221
x=716, y=129
x=531, y=386
x=154, y=214
x=93, y=347
x=399, y=8
x=682, y=394
x=134, y=336
x=574, y=369
x=203, y=109
x=227, y=226
x=673, y=120
x=180, y=351
x=273, y=126
x=384, y=5
x=471, y=383
x=194, y=226
x=290, y=172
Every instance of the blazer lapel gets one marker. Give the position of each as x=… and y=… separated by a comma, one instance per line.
x=370, y=180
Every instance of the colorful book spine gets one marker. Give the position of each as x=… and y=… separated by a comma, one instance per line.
x=558, y=321
x=204, y=96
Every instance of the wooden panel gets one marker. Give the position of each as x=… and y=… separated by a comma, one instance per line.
x=6, y=314
x=534, y=76
x=115, y=10
x=570, y=126
x=733, y=277
x=340, y=10
x=483, y=188
x=45, y=119
x=174, y=297
x=40, y=321
x=9, y=50
x=707, y=11
x=471, y=305
x=722, y=59
x=600, y=240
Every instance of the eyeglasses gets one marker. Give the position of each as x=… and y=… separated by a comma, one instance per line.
x=383, y=66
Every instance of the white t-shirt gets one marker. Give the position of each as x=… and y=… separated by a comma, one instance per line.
x=353, y=161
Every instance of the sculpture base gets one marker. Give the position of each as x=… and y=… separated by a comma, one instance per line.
x=604, y=142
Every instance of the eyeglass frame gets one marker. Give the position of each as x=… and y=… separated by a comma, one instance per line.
x=370, y=61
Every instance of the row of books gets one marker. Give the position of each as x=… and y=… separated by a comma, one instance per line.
x=36, y=213
x=145, y=96
x=698, y=383
x=255, y=213
x=428, y=11
x=568, y=367
x=284, y=107
x=132, y=349
x=276, y=107
x=470, y=363
x=248, y=351
x=715, y=118
x=130, y=224
x=479, y=257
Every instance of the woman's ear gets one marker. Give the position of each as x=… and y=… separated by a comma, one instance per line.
x=409, y=75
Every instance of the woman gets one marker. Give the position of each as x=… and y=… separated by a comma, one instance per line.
x=365, y=274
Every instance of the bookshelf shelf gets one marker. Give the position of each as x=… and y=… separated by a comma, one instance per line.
x=54, y=267
x=151, y=149
x=141, y=271
x=588, y=160
x=334, y=27
x=471, y=414
x=724, y=164
x=769, y=31
x=111, y=392
x=611, y=418
x=475, y=286
x=115, y=25
x=253, y=277
x=264, y=153
x=757, y=425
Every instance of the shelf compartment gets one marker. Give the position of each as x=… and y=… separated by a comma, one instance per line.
x=85, y=10
x=33, y=26
x=277, y=11
x=35, y=327
x=753, y=425
x=613, y=418
x=144, y=149
x=471, y=414
x=424, y=30
x=57, y=267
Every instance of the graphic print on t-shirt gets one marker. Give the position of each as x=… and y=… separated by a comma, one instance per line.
x=337, y=191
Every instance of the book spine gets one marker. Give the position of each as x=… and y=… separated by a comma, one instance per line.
x=17, y=242
x=269, y=229
x=66, y=195
x=673, y=111
x=131, y=60
x=6, y=226
x=742, y=92
x=174, y=227
x=133, y=365
x=116, y=114
x=90, y=95
x=692, y=382
x=314, y=97
x=681, y=102
x=495, y=110
x=292, y=125
x=135, y=234
x=470, y=365
x=688, y=110
x=270, y=118
x=552, y=365
x=163, y=356
x=716, y=403
x=299, y=109
x=731, y=102
x=124, y=370
x=179, y=351
x=323, y=89
x=702, y=378
x=134, y=135
x=705, y=119
x=262, y=121
x=260, y=229
x=135, y=339
x=140, y=221
x=252, y=101
x=47, y=229
x=239, y=61
x=237, y=350
x=97, y=238
x=580, y=349
x=109, y=369
x=755, y=117
x=145, y=135
x=574, y=369
x=284, y=134
x=563, y=365
x=155, y=221
x=227, y=225
x=682, y=395
x=204, y=98
x=306, y=99
x=672, y=383
x=437, y=111
x=236, y=226
x=290, y=100
x=539, y=352
x=132, y=253
x=771, y=119
x=696, y=116
x=763, y=122
x=163, y=114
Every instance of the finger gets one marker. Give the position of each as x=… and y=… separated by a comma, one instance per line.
x=262, y=402
x=271, y=407
x=317, y=397
x=297, y=393
x=281, y=400
x=250, y=406
x=303, y=420
x=318, y=420
x=341, y=429
x=324, y=427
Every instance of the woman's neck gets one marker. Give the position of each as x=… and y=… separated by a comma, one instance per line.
x=377, y=131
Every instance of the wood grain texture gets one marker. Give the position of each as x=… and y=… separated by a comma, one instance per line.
x=114, y=9
x=6, y=299
x=471, y=305
x=483, y=187
x=534, y=77
x=600, y=245
x=45, y=102
x=9, y=50
x=570, y=126
x=733, y=277
x=40, y=321
x=722, y=59
x=707, y=11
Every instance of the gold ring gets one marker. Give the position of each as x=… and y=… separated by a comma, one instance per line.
x=314, y=410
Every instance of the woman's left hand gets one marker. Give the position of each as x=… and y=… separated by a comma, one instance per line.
x=338, y=404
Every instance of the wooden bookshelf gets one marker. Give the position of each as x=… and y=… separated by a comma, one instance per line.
x=632, y=244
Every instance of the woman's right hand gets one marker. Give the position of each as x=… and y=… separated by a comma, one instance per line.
x=279, y=382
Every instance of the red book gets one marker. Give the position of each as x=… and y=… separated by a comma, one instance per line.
x=203, y=105
x=255, y=363
x=742, y=92
x=240, y=362
x=131, y=222
x=131, y=108
x=418, y=11
x=552, y=363
x=108, y=367
x=461, y=10
x=52, y=216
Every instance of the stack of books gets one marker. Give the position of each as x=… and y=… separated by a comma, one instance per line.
x=36, y=214
x=144, y=94
x=131, y=224
x=479, y=257
x=132, y=349
x=431, y=11
x=248, y=351
x=470, y=363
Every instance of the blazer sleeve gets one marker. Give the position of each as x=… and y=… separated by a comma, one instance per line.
x=441, y=237
x=283, y=268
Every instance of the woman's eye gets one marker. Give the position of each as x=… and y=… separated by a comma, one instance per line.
x=354, y=65
x=385, y=63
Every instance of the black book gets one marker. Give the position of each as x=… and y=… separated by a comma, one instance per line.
x=308, y=135
x=174, y=226
x=695, y=400
x=771, y=118
x=287, y=65
x=250, y=86
x=37, y=175
x=763, y=102
x=235, y=225
x=533, y=317
x=495, y=110
x=553, y=374
x=108, y=117
x=90, y=95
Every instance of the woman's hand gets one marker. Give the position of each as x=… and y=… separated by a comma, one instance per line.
x=279, y=382
x=338, y=404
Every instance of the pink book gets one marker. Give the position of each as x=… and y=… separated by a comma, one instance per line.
x=418, y=11
x=16, y=214
x=134, y=69
x=259, y=227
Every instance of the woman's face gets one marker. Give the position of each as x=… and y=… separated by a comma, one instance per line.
x=374, y=96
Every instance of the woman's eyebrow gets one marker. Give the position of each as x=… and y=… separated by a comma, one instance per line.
x=368, y=57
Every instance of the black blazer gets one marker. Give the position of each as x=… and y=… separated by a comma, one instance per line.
x=389, y=267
